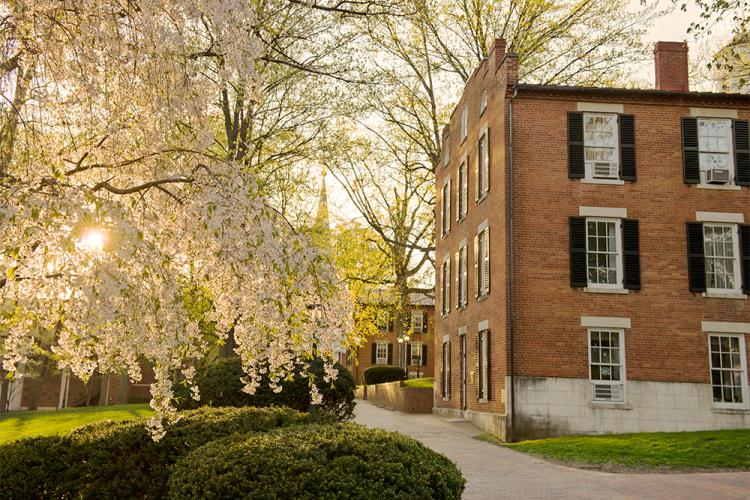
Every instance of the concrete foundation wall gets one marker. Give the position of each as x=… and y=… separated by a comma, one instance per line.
x=493, y=423
x=395, y=396
x=549, y=406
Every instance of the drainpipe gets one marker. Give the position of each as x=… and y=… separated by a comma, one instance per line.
x=511, y=433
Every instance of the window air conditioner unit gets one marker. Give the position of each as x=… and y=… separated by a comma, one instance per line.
x=717, y=176
x=605, y=170
x=608, y=392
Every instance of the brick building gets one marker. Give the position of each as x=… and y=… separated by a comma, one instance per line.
x=593, y=255
x=412, y=351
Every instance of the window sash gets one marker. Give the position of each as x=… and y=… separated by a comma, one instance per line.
x=464, y=122
x=417, y=321
x=603, y=253
x=715, y=145
x=482, y=170
x=463, y=276
x=416, y=354
x=600, y=141
x=722, y=257
x=446, y=216
x=728, y=368
x=381, y=353
x=607, y=364
x=462, y=192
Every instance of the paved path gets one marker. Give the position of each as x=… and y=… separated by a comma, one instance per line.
x=492, y=471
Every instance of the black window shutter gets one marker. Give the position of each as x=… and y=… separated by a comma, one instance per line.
x=374, y=353
x=627, y=147
x=691, y=169
x=741, y=153
x=408, y=354
x=478, y=369
x=424, y=354
x=696, y=257
x=745, y=256
x=576, y=168
x=631, y=255
x=390, y=353
x=578, y=252
x=489, y=365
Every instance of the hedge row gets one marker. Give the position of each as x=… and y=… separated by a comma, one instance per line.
x=382, y=374
x=220, y=384
x=332, y=461
x=120, y=459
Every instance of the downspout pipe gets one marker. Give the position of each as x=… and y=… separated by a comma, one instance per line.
x=511, y=370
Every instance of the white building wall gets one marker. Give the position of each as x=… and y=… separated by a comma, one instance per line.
x=559, y=406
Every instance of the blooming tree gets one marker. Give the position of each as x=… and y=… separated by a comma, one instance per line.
x=117, y=189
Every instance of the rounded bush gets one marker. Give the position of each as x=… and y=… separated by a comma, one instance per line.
x=120, y=459
x=332, y=461
x=382, y=374
x=220, y=385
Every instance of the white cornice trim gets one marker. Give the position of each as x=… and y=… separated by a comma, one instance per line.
x=605, y=322
x=720, y=217
x=724, y=327
x=603, y=212
x=600, y=107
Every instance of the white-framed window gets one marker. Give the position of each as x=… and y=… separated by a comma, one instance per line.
x=464, y=122
x=600, y=143
x=483, y=365
x=728, y=370
x=445, y=287
x=415, y=352
x=715, y=147
x=607, y=364
x=722, y=257
x=483, y=166
x=446, y=152
x=604, y=253
x=483, y=102
x=462, y=193
x=482, y=261
x=462, y=277
x=417, y=321
x=384, y=321
x=381, y=353
x=446, y=208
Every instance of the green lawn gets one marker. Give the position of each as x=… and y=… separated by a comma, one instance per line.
x=660, y=450
x=420, y=383
x=22, y=424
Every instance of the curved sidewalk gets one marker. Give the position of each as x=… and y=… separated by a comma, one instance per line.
x=493, y=471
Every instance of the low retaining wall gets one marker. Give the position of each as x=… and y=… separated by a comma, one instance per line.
x=396, y=396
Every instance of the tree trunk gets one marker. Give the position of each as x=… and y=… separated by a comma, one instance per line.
x=104, y=393
x=4, y=386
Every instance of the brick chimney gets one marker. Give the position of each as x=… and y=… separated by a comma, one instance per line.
x=497, y=53
x=671, y=61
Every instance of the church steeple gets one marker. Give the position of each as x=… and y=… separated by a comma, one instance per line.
x=321, y=218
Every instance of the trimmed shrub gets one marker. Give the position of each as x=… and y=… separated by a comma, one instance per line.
x=333, y=461
x=382, y=374
x=120, y=459
x=220, y=385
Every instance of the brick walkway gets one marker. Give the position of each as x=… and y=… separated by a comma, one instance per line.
x=493, y=472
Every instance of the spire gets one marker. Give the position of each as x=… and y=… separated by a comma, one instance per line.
x=321, y=218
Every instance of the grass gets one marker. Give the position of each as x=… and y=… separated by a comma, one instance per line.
x=23, y=424
x=420, y=383
x=663, y=451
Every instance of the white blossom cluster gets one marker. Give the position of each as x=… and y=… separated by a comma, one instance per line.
x=118, y=192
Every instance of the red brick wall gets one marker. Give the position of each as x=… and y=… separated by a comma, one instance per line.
x=665, y=342
x=491, y=78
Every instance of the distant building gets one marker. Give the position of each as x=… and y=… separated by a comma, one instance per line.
x=412, y=350
x=593, y=255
